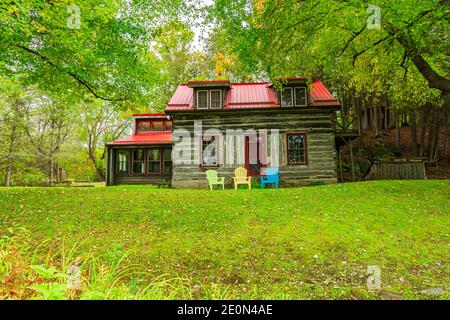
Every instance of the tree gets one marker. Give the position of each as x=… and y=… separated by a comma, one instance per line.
x=97, y=47
x=47, y=125
x=320, y=36
x=100, y=123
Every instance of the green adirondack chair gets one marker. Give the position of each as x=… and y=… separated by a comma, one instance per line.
x=211, y=175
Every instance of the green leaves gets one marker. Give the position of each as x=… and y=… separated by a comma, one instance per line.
x=107, y=55
x=331, y=39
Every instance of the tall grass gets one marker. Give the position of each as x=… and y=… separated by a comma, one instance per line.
x=31, y=270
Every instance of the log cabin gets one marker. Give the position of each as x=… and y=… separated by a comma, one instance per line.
x=215, y=124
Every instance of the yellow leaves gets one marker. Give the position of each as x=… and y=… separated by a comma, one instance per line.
x=223, y=64
x=13, y=10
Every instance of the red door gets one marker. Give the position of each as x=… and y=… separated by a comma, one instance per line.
x=255, y=154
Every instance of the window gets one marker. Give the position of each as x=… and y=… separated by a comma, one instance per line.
x=138, y=161
x=216, y=99
x=300, y=96
x=143, y=126
x=168, y=125
x=123, y=157
x=157, y=126
x=209, y=151
x=202, y=99
x=154, y=161
x=285, y=97
x=167, y=153
x=296, y=148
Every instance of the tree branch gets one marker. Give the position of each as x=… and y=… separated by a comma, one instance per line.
x=434, y=79
x=70, y=73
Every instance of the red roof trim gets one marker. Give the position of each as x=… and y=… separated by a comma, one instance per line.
x=147, y=138
x=150, y=115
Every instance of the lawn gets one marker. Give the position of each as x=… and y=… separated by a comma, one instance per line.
x=300, y=243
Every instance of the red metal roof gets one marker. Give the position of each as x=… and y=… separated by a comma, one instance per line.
x=251, y=96
x=154, y=137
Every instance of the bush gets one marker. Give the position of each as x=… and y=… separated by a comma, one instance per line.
x=28, y=177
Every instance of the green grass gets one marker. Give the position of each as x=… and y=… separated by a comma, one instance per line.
x=300, y=243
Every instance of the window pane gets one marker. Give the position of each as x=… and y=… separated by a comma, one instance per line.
x=296, y=141
x=167, y=154
x=209, y=151
x=138, y=155
x=138, y=161
x=123, y=161
x=168, y=125
x=153, y=154
x=154, y=160
x=157, y=126
x=300, y=96
x=167, y=160
x=202, y=101
x=215, y=99
x=154, y=167
x=143, y=126
x=138, y=167
x=286, y=97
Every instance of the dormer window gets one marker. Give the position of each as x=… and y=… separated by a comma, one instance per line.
x=293, y=96
x=286, y=97
x=209, y=99
x=300, y=96
x=145, y=125
x=216, y=99
x=202, y=99
x=209, y=94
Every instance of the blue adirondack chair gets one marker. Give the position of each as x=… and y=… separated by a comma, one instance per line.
x=271, y=177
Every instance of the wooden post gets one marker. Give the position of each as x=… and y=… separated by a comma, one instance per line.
x=341, y=178
x=349, y=142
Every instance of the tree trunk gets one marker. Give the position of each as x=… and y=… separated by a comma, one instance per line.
x=397, y=130
x=432, y=135
x=436, y=139
x=423, y=129
x=376, y=120
x=446, y=133
x=11, y=147
x=413, y=128
x=100, y=174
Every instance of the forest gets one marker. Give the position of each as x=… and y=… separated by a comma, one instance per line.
x=72, y=74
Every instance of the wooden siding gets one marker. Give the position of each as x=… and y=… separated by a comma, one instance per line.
x=317, y=124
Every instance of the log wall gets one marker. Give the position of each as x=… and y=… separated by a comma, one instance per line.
x=317, y=124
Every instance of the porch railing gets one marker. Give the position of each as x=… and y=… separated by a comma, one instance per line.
x=345, y=123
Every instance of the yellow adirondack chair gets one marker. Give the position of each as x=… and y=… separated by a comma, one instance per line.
x=240, y=177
